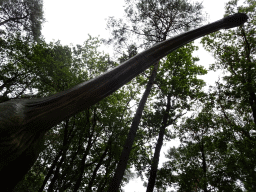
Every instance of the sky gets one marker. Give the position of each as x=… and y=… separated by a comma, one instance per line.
x=72, y=21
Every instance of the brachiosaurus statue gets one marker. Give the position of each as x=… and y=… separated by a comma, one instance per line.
x=24, y=122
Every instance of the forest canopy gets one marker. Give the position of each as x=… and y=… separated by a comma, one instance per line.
x=215, y=128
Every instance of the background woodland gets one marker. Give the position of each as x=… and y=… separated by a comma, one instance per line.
x=121, y=137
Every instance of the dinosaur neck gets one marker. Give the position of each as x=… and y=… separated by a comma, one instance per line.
x=51, y=110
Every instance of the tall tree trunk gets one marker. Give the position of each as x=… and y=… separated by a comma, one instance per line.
x=100, y=162
x=119, y=173
x=56, y=163
x=249, y=80
x=50, y=172
x=82, y=165
x=204, y=167
x=155, y=160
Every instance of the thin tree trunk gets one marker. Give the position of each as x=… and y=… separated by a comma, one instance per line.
x=89, y=188
x=82, y=164
x=119, y=172
x=204, y=167
x=155, y=160
x=252, y=97
x=50, y=172
x=62, y=153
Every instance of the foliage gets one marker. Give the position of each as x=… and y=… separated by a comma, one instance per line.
x=236, y=98
x=176, y=91
x=153, y=21
x=27, y=66
x=217, y=152
x=80, y=152
x=177, y=79
x=24, y=16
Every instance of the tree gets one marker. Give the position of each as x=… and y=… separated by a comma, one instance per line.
x=80, y=149
x=205, y=158
x=28, y=67
x=217, y=152
x=158, y=19
x=236, y=97
x=22, y=16
x=178, y=89
x=22, y=132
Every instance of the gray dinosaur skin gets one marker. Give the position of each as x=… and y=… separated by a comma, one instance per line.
x=23, y=122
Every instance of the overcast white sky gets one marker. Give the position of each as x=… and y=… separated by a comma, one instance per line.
x=71, y=21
